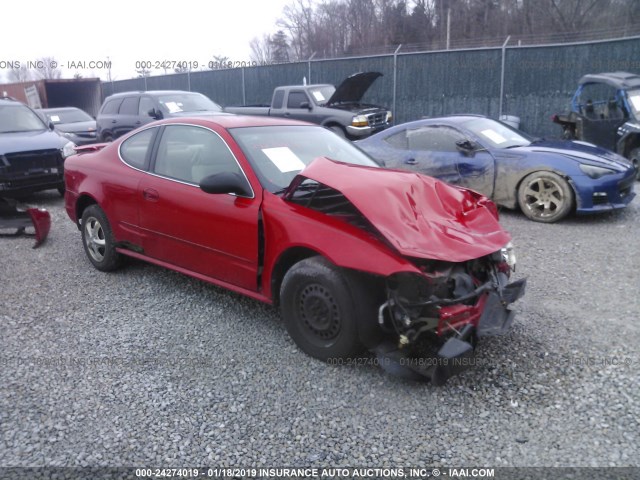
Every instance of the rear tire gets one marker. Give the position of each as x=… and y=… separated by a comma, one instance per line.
x=98, y=241
x=108, y=138
x=319, y=311
x=545, y=197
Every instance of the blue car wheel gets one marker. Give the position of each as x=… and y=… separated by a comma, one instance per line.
x=545, y=197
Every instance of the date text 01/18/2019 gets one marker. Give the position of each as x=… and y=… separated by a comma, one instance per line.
x=196, y=65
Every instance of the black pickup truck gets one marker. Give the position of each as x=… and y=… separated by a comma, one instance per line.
x=339, y=109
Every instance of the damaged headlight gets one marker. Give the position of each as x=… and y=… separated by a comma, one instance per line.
x=509, y=255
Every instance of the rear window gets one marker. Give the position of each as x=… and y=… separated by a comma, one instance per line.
x=111, y=106
x=135, y=148
x=129, y=106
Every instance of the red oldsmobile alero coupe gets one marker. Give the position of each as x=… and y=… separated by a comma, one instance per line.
x=290, y=214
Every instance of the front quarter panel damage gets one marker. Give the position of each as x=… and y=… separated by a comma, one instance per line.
x=434, y=304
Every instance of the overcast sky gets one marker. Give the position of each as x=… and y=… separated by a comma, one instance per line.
x=129, y=31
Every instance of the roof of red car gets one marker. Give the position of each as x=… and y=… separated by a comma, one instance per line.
x=234, y=121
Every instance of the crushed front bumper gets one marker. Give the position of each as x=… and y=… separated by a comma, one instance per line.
x=20, y=220
x=489, y=316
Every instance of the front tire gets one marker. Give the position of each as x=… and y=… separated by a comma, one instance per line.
x=98, y=241
x=545, y=197
x=319, y=311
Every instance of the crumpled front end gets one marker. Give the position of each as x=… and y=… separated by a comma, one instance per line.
x=435, y=318
x=34, y=222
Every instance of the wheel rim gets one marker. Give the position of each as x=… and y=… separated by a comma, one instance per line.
x=94, y=239
x=544, y=198
x=319, y=314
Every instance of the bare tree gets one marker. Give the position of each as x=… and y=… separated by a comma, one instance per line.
x=143, y=72
x=48, y=68
x=261, y=49
x=20, y=74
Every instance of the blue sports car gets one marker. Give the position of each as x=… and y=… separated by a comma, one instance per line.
x=546, y=179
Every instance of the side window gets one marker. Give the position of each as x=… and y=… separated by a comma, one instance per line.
x=434, y=138
x=190, y=153
x=112, y=106
x=134, y=149
x=146, y=104
x=398, y=140
x=296, y=98
x=278, y=99
x=129, y=106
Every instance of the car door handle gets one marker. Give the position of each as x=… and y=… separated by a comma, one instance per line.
x=410, y=161
x=151, y=195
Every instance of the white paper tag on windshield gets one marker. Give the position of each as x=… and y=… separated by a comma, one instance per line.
x=284, y=159
x=318, y=96
x=173, y=107
x=495, y=137
x=54, y=118
x=635, y=101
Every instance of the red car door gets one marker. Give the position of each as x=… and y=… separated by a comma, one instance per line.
x=211, y=234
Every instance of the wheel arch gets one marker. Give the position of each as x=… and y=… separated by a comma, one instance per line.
x=285, y=261
x=82, y=203
x=563, y=175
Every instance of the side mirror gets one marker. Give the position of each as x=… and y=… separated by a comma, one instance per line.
x=51, y=126
x=155, y=114
x=226, y=182
x=467, y=147
x=306, y=105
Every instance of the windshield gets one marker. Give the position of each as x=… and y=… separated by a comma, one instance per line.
x=18, y=118
x=497, y=134
x=279, y=153
x=67, y=116
x=634, y=102
x=320, y=95
x=187, y=102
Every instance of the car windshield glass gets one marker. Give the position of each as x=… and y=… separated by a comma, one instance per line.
x=320, y=95
x=497, y=134
x=187, y=102
x=18, y=118
x=278, y=153
x=634, y=102
x=68, y=116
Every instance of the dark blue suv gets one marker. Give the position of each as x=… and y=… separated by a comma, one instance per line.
x=31, y=153
x=122, y=112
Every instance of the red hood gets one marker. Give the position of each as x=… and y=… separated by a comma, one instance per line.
x=419, y=215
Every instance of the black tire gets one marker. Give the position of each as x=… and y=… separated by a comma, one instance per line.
x=98, y=241
x=635, y=160
x=545, y=197
x=61, y=191
x=338, y=131
x=318, y=309
x=108, y=138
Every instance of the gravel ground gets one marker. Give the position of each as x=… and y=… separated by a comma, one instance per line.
x=146, y=367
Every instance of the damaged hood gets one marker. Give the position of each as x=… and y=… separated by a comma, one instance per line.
x=353, y=88
x=418, y=215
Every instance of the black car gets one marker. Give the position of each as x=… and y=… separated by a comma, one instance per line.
x=72, y=123
x=122, y=112
x=31, y=153
x=605, y=111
